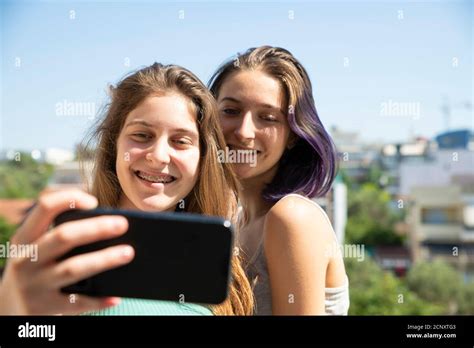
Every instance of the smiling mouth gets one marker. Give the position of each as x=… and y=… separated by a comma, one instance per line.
x=155, y=178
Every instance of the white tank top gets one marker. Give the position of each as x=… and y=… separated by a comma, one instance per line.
x=336, y=299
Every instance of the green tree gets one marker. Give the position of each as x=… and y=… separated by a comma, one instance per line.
x=374, y=291
x=436, y=282
x=370, y=219
x=466, y=299
x=374, y=175
x=346, y=179
x=6, y=231
x=23, y=177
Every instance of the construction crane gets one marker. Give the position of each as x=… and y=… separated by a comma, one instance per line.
x=447, y=107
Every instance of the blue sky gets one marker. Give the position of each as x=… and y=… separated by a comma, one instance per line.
x=359, y=55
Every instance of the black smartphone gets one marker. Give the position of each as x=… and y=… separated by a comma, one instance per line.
x=178, y=257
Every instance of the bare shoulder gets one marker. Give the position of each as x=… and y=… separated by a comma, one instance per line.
x=296, y=210
x=297, y=219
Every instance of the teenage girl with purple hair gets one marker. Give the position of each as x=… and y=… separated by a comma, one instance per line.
x=266, y=107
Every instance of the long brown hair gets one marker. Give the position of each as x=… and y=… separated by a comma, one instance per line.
x=215, y=192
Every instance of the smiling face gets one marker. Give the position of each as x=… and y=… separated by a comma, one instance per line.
x=158, y=153
x=252, y=112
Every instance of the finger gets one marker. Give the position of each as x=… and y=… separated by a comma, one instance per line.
x=48, y=206
x=83, y=266
x=75, y=233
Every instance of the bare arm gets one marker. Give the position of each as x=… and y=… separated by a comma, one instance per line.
x=297, y=236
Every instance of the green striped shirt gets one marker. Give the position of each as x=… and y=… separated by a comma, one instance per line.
x=135, y=306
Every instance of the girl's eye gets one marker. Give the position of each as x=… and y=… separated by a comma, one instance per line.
x=231, y=112
x=141, y=136
x=269, y=118
x=183, y=141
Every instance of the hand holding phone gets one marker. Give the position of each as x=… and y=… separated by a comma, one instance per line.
x=31, y=286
